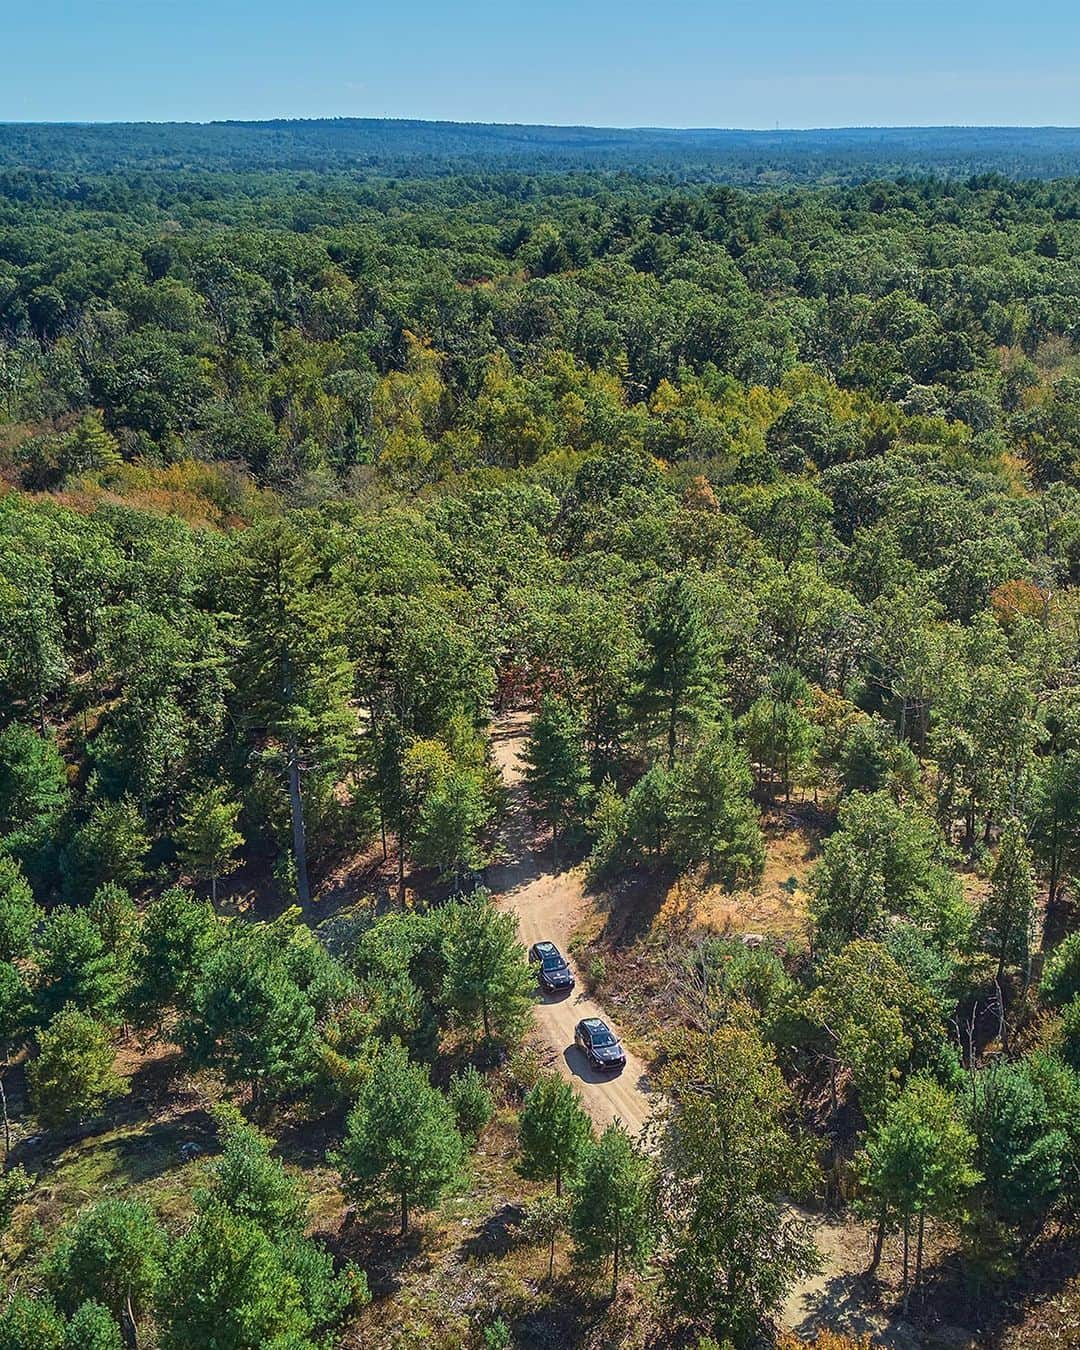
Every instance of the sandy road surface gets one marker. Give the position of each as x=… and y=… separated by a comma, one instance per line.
x=548, y=904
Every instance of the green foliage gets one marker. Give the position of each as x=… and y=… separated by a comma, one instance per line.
x=556, y=769
x=555, y=1131
x=33, y=796
x=878, y=1023
x=251, y=1184
x=110, y=846
x=207, y=837
x=917, y=1161
x=227, y=1284
x=1061, y=973
x=1007, y=919
x=779, y=735
x=75, y=967
x=93, y=1327
x=871, y=759
x=294, y=676
x=16, y=1009
x=487, y=975
x=884, y=860
x=610, y=1217
x=19, y=912
x=28, y=1323
x=1018, y=1147
x=72, y=1076
x=15, y=1185
x=243, y=1275
x=680, y=673
x=175, y=939
x=727, y=1150
x=255, y=1006
x=713, y=819
x=400, y=1141
x=114, y=1252
x=471, y=1102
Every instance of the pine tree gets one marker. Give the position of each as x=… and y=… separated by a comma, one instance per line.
x=917, y=1163
x=727, y=1151
x=175, y=939
x=556, y=767
x=555, y=1131
x=89, y=446
x=75, y=967
x=295, y=678
x=486, y=967
x=207, y=837
x=681, y=670
x=1007, y=918
x=713, y=818
x=612, y=1203
x=114, y=1251
x=16, y=1019
x=73, y=1073
x=20, y=913
x=400, y=1139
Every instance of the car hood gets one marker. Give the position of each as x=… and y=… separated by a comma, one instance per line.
x=608, y=1051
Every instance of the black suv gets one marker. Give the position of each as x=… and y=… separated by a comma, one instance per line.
x=598, y=1043
x=555, y=974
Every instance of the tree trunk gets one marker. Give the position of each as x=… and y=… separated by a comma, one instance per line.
x=673, y=721
x=919, y=1250
x=487, y=1016
x=7, y=1123
x=907, y=1251
x=296, y=806
x=132, y=1326
x=879, y=1243
x=213, y=889
x=615, y=1267
x=551, y=1257
x=404, y=1213
x=558, y=1182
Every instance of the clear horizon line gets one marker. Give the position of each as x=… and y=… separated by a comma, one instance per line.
x=557, y=126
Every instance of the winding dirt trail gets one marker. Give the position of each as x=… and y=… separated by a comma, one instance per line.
x=549, y=904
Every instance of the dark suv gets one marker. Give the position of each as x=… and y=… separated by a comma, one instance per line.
x=555, y=975
x=599, y=1044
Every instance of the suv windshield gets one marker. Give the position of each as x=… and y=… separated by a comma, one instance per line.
x=553, y=961
x=601, y=1036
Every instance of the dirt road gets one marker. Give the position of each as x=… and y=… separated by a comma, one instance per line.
x=548, y=904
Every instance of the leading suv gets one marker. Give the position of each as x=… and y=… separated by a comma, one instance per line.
x=599, y=1044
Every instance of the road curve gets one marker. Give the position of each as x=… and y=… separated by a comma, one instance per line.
x=548, y=904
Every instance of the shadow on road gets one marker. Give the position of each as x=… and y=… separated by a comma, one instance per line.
x=580, y=1067
x=553, y=995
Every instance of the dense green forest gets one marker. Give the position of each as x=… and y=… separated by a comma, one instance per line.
x=759, y=510
x=417, y=148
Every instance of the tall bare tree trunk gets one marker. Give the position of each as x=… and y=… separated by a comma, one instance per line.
x=296, y=806
x=7, y=1122
x=879, y=1243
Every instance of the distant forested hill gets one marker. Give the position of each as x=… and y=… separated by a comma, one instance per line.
x=414, y=147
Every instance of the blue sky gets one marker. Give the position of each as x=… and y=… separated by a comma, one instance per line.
x=728, y=63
